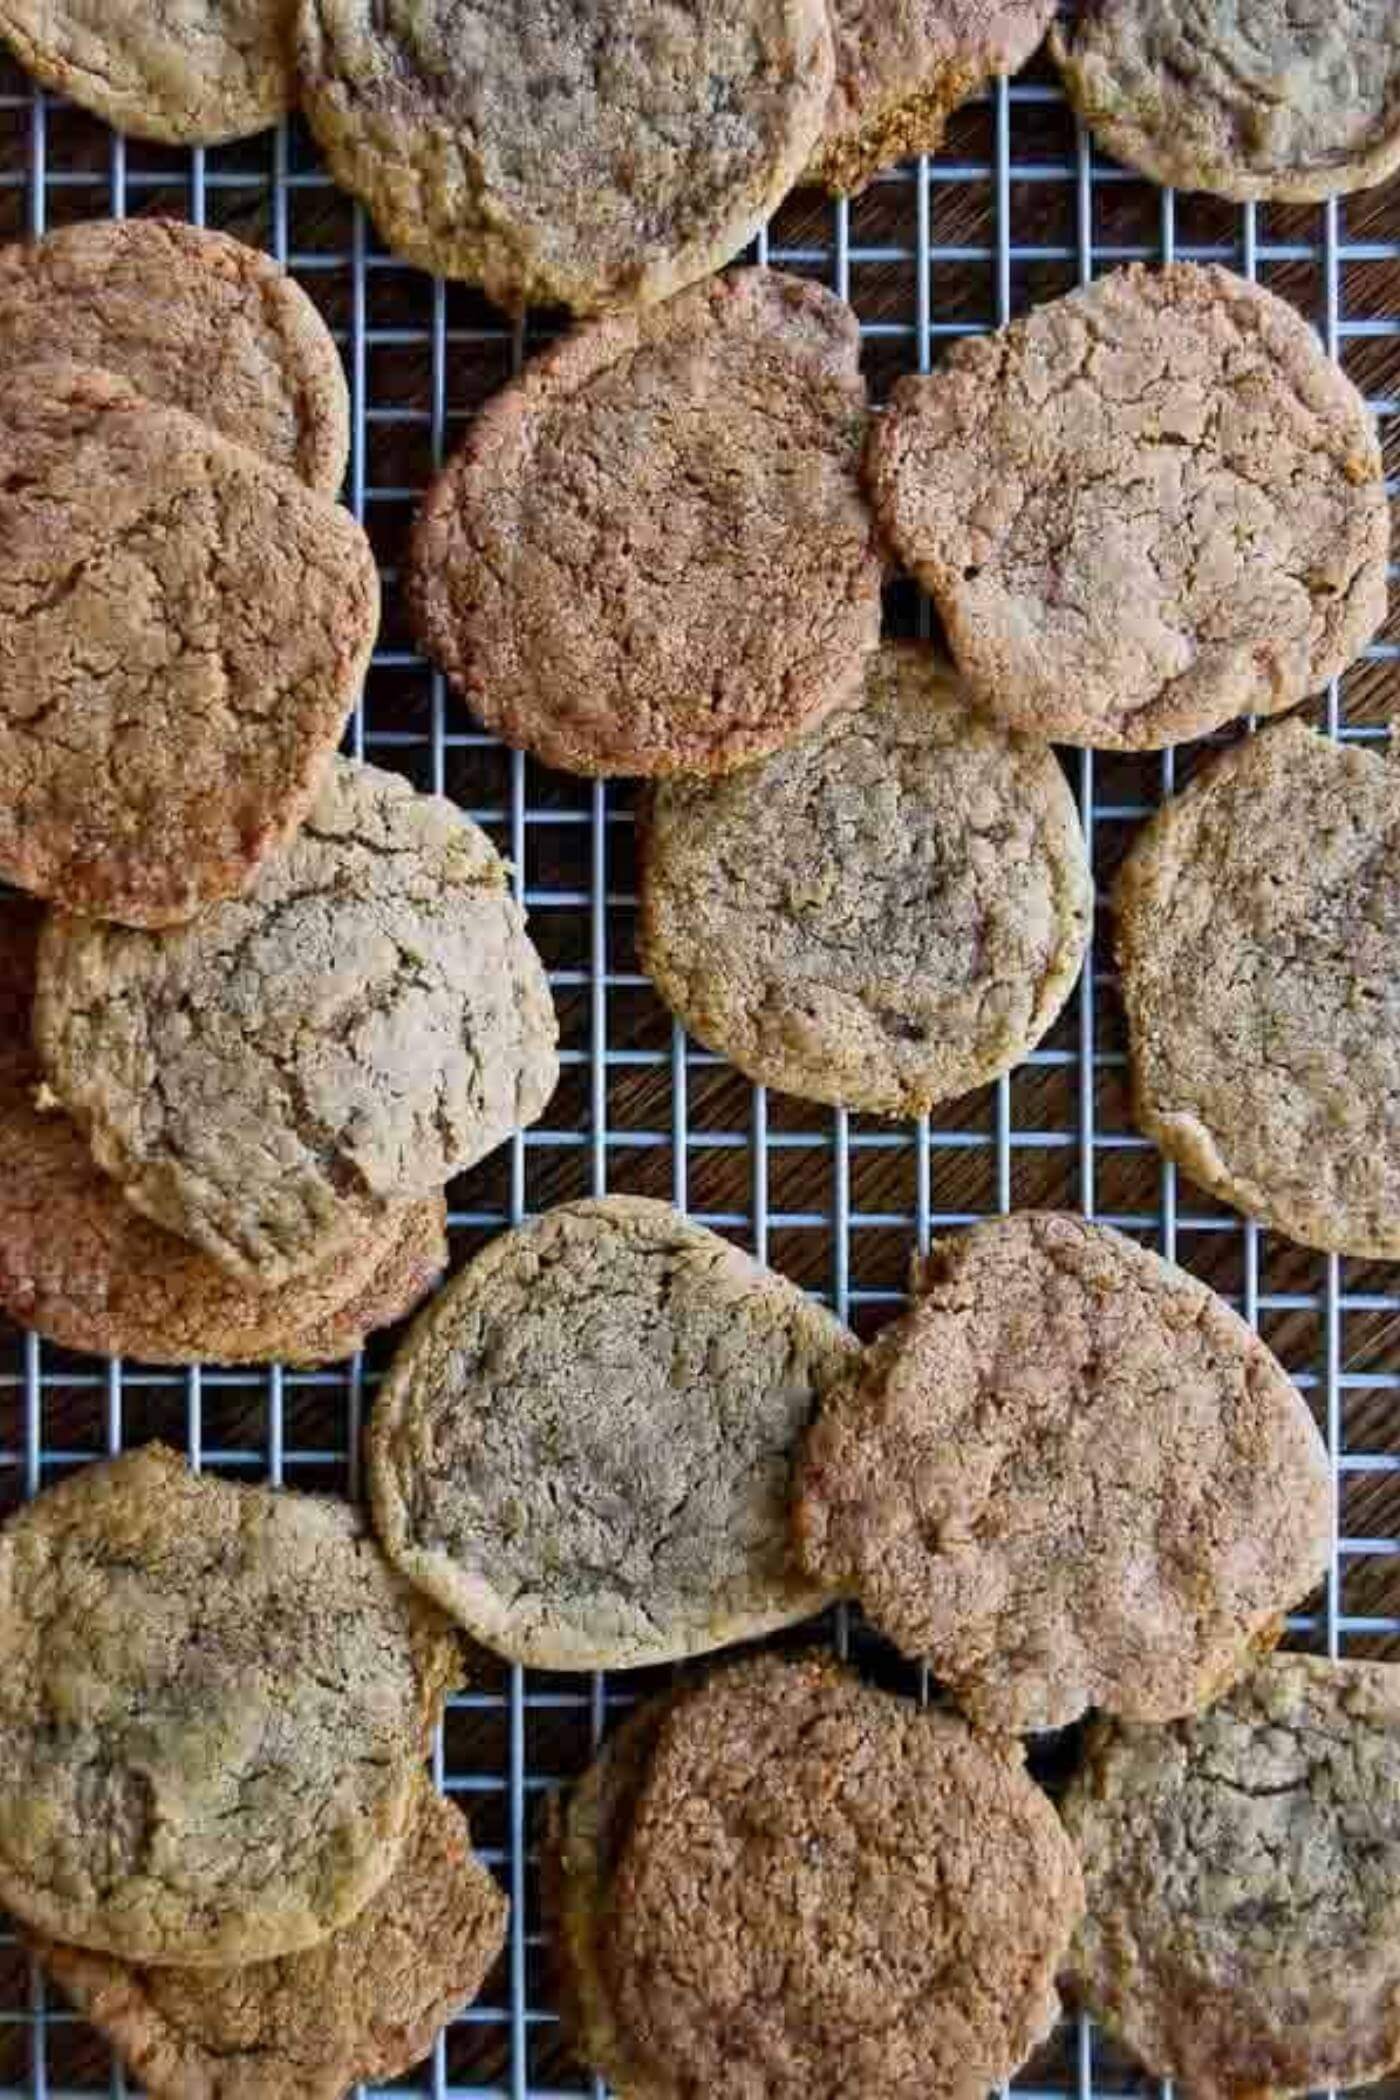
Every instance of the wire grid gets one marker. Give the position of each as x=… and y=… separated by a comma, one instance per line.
x=1016, y=208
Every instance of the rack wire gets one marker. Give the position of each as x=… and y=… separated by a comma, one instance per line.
x=1015, y=208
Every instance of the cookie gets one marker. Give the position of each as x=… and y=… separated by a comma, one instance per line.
x=819, y=1890
x=903, y=66
x=1261, y=99
x=1149, y=506
x=364, y=2005
x=1071, y=1476
x=575, y=156
x=882, y=916
x=188, y=73
x=193, y=319
x=185, y=630
x=1243, y=1878
x=214, y=1700
x=1258, y=927
x=653, y=555
x=583, y=1451
x=368, y=1020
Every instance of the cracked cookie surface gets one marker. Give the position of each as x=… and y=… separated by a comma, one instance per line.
x=185, y=628
x=1258, y=920
x=1071, y=1476
x=653, y=554
x=1144, y=509
x=368, y=1020
x=891, y=911
x=1251, y=99
x=214, y=1703
x=1243, y=1880
x=584, y=1449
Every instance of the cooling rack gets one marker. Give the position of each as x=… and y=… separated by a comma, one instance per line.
x=1016, y=208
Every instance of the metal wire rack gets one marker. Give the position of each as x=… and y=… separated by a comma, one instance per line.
x=1015, y=208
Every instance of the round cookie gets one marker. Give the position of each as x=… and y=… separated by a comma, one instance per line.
x=1243, y=1880
x=214, y=1700
x=186, y=72
x=1258, y=99
x=185, y=630
x=889, y=912
x=192, y=318
x=823, y=1892
x=584, y=1449
x=653, y=554
x=1071, y=1476
x=1149, y=506
x=364, y=2005
x=903, y=66
x=368, y=1020
x=566, y=154
x=1258, y=922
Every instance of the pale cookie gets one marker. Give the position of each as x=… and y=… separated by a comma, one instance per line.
x=368, y=1020
x=185, y=628
x=590, y=157
x=1071, y=1476
x=1243, y=1881
x=1252, y=99
x=195, y=320
x=1259, y=945
x=584, y=1449
x=903, y=66
x=1149, y=506
x=653, y=554
x=882, y=916
x=185, y=72
x=214, y=1701
x=363, y=2006
x=815, y=1891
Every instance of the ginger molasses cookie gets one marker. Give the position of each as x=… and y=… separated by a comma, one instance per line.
x=887, y=913
x=903, y=66
x=214, y=1701
x=653, y=555
x=1259, y=99
x=368, y=1020
x=1145, y=508
x=1243, y=1880
x=808, y=1889
x=1071, y=1476
x=1258, y=925
x=576, y=155
x=185, y=628
x=362, y=2006
x=186, y=72
x=192, y=318
x=584, y=1449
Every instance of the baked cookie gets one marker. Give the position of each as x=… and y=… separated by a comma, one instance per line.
x=652, y=555
x=1149, y=506
x=195, y=320
x=902, y=68
x=185, y=630
x=214, y=1700
x=1258, y=922
x=1071, y=1476
x=884, y=915
x=363, y=2005
x=186, y=72
x=808, y=1889
x=1243, y=1880
x=574, y=155
x=583, y=1451
x=368, y=1020
x=1257, y=99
